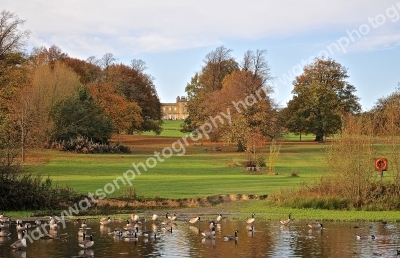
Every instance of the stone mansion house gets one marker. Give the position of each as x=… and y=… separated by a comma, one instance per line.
x=175, y=111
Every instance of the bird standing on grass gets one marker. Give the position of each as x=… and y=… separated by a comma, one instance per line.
x=251, y=220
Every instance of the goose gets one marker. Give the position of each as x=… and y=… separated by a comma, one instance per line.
x=105, y=221
x=372, y=237
x=131, y=232
x=38, y=222
x=4, y=225
x=133, y=237
x=148, y=233
x=167, y=220
x=19, y=243
x=209, y=232
x=134, y=217
x=231, y=238
x=154, y=217
x=27, y=225
x=212, y=224
x=194, y=220
x=251, y=220
x=315, y=225
x=4, y=218
x=167, y=229
x=219, y=218
x=19, y=226
x=4, y=233
x=129, y=225
x=118, y=231
x=173, y=218
x=86, y=243
x=81, y=232
x=286, y=220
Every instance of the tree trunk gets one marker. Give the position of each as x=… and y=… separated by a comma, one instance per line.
x=319, y=138
x=241, y=148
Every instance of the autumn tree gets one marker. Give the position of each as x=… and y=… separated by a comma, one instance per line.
x=321, y=97
x=217, y=64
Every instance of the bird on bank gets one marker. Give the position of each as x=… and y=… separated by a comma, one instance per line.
x=315, y=225
x=287, y=220
x=231, y=238
x=105, y=221
x=194, y=220
x=86, y=243
x=19, y=243
x=251, y=220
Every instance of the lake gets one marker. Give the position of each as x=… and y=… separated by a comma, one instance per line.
x=269, y=239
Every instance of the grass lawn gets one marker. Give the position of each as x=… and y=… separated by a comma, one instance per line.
x=195, y=174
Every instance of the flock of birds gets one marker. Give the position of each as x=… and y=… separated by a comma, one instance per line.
x=133, y=229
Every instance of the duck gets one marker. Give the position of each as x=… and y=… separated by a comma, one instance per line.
x=251, y=220
x=19, y=243
x=208, y=232
x=4, y=233
x=86, y=243
x=315, y=225
x=286, y=220
x=219, y=218
x=362, y=237
x=194, y=220
x=167, y=220
x=105, y=221
x=231, y=238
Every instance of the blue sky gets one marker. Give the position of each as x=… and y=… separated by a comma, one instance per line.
x=173, y=37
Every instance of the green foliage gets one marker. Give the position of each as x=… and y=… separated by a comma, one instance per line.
x=31, y=192
x=80, y=116
x=321, y=97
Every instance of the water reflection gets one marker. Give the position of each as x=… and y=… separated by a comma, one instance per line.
x=182, y=239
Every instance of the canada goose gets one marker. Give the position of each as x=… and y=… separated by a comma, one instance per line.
x=212, y=224
x=19, y=226
x=27, y=225
x=131, y=232
x=231, y=238
x=148, y=233
x=4, y=218
x=372, y=237
x=4, y=233
x=129, y=225
x=219, y=218
x=105, y=221
x=19, y=243
x=154, y=217
x=194, y=220
x=251, y=220
x=315, y=225
x=86, y=243
x=286, y=220
x=133, y=237
x=167, y=229
x=134, y=217
x=118, y=231
x=209, y=232
x=4, y=225
x=173, y=218
x=167, y=220
x=84, y=224
x=38, y=222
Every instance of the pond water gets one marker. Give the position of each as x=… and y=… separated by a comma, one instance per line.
x=269, y=239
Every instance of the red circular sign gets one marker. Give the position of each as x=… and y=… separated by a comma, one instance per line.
x=381, y=164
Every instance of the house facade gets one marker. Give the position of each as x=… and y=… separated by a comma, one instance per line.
x=175, y=111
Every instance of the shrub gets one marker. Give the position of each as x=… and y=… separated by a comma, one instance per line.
x=82, y=144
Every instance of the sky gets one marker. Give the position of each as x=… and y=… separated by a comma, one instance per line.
x=173, y=37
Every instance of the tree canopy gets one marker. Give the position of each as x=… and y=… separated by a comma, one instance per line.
x=321, y=97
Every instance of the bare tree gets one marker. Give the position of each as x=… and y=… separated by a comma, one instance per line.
x=12, y=39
